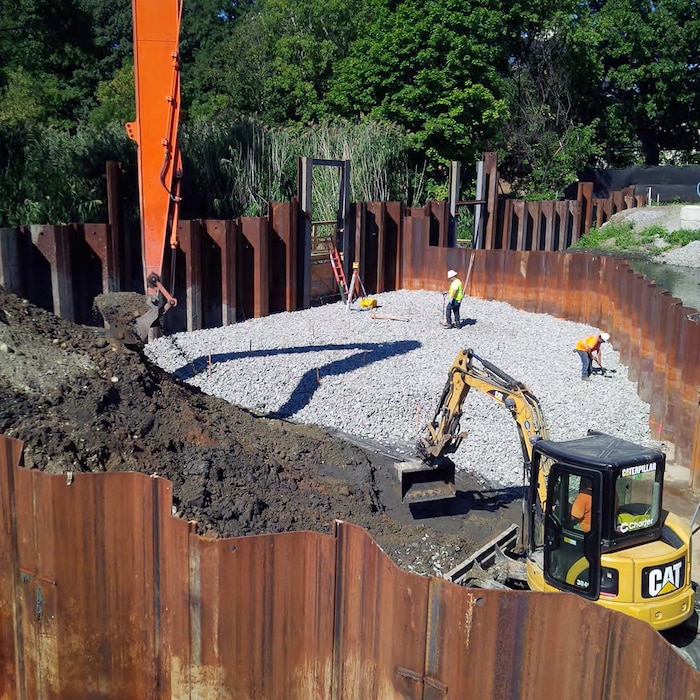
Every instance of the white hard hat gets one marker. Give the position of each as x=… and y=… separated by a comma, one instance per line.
x=605, y=337
x=451, y=274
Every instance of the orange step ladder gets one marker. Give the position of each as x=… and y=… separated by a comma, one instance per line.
x=337, y=266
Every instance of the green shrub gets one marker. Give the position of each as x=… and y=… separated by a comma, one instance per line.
x=465, y=224
x=682, y=237
x=620, y=234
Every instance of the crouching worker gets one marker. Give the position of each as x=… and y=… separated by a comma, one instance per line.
x=588, y=350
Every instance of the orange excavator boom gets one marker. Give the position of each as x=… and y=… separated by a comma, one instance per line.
x=156, y=26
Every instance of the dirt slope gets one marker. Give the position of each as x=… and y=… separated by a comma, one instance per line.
x=81, y=401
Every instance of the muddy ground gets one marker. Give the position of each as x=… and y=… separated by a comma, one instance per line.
x=82, y=401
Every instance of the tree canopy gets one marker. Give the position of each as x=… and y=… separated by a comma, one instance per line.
x=555, y=88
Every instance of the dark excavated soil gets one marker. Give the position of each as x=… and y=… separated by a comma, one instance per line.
x=82, y=401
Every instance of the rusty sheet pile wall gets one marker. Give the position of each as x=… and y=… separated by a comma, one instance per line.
x=104, y=594
x=514, y=224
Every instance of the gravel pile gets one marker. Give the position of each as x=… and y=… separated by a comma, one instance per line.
x=380, y=379
x=687, y=256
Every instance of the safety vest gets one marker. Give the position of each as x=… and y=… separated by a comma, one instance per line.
x=588, y=344
x=456, y=291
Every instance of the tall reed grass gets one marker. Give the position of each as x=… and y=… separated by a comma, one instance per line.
x=241, y=166
x=231, y=169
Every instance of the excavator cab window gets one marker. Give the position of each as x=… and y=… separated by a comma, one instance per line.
x=637, y=505
x=572, y=525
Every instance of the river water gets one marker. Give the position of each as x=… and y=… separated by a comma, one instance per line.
x=682, y=282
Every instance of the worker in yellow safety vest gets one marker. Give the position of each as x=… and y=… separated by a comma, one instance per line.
x=454, y=299
x=588, y=350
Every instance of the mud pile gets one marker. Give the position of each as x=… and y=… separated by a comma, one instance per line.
x=82, y=401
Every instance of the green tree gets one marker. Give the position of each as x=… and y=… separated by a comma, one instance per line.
x=207, y=71
x=278, y=59
x=543, y=143
x=47, y=64
x=649, y=84
x=116, y=99
x=434, y=67
x=109, y=72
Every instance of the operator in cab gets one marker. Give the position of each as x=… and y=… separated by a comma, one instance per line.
x=581, y=507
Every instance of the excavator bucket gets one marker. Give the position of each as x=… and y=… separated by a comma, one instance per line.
x=128, y=315
x=422, y=481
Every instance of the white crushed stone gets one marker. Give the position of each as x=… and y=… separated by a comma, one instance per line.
x=380, y=380
x=687, y=256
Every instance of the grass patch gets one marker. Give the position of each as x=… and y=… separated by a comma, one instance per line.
x=682, y=237
x=622, y=236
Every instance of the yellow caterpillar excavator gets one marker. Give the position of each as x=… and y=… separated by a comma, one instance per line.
x=594, y=522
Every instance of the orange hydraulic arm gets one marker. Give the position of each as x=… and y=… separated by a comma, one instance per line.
x=155, y=131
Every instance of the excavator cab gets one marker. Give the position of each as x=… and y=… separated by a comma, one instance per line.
x=597, y=528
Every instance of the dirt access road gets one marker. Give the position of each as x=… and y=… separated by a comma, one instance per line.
x=82, y=401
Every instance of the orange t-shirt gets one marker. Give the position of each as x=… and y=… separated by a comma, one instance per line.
x=581, y=511
x=589, y=344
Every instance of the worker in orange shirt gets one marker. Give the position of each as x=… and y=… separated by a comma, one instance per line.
x=581, y=507
x=588, y=350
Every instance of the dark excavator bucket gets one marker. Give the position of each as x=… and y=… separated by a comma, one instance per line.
x=128, y=315
x=423, y=481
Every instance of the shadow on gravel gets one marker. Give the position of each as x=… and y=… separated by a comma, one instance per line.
x=489, y=500
x=367, y=353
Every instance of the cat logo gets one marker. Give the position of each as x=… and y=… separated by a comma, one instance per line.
x=660, y=580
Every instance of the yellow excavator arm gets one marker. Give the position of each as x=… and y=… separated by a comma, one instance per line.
x=442, y=435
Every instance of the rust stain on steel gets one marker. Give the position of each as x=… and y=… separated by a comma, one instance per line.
x=190, y=244
x=11, y=637
x=255, y=231
x=380, y=622
x=98, y=238
x=95, y=536
x=670, y=419
x=636, y=329
x=52, y=243
x=222, y=242
x=265, y=621
x=689, y=355
x=660, y=315
x=536, y=274
x=394, y=235
x=647, y=341
x=284, y=222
